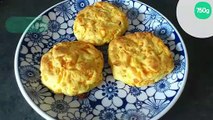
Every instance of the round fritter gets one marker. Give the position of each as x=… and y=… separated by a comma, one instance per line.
x=72, y=68
x=100, y=23
x=139, y=59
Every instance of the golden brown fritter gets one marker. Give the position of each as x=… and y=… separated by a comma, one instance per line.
x=139, y=59
x=72, y=68
x=100, y=23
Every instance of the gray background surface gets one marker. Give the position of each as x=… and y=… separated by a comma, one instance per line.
x=195, y=103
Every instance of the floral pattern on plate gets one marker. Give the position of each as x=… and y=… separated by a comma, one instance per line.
x=112, y=99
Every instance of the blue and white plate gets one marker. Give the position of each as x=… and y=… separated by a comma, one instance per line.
x=112, y=99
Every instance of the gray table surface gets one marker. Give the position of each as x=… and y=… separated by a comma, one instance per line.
x=195, y=103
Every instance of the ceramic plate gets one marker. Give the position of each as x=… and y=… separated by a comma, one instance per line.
x=112, y=99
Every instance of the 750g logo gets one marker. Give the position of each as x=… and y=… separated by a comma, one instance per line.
x=202, y=10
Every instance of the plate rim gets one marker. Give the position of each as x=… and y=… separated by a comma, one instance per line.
x=46, y=116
